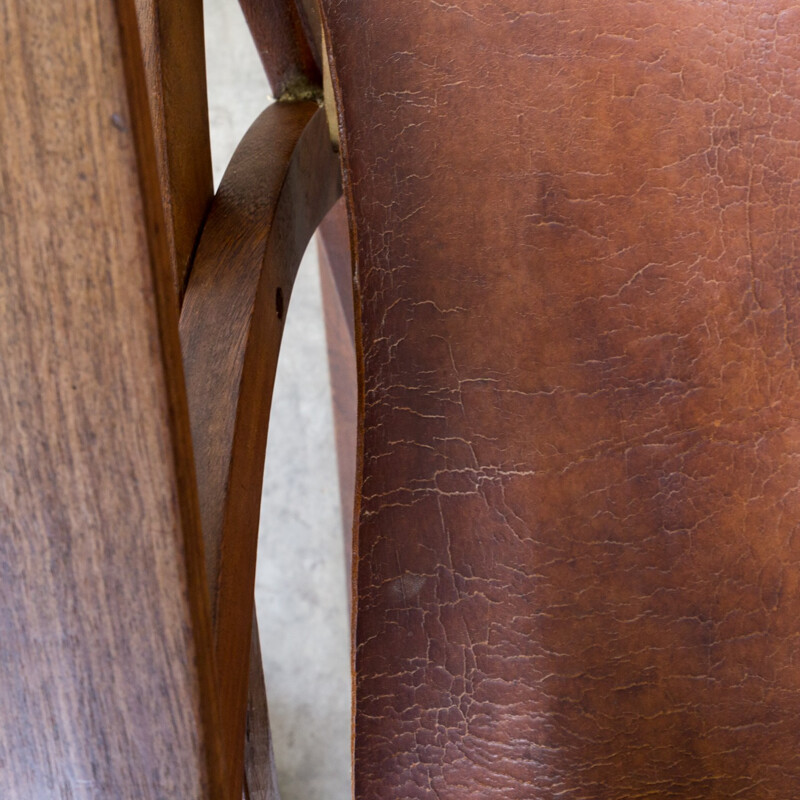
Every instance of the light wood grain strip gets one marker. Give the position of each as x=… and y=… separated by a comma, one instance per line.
x=312, y=26
x=278, y=31
x=174, y=55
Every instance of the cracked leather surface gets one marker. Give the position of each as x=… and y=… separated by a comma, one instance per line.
x=576, y=231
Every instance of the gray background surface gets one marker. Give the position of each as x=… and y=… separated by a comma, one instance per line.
x=301, y=581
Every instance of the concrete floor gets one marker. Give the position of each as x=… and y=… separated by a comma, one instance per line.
x=300, y=583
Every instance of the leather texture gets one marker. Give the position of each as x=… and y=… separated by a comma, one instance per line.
x=576, y=236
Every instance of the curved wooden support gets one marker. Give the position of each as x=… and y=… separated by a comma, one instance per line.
x=106, y=678
x=173, y=50
x=336, y=279
x=260, y=778
x=280, y=32
x=312, y=25
x=579, y=303
x=282, y=180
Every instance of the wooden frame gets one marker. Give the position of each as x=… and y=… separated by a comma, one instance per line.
x=131, y=665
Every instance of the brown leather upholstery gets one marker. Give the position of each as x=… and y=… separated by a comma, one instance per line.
x=577, y=234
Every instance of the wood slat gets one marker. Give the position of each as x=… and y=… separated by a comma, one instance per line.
x=576, y=238
x=106, y=683
x=282, y=180
x=312, y=26
x=261, y=781
x=336, y=278
x=174, y=55
x=279, y=34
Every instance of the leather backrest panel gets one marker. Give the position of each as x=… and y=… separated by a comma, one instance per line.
x=576, y=230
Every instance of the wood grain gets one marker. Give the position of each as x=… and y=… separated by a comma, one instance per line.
x=576, y=237
x=282, y=180
x=336, y=278
x=174, y=56
x=106, y=684
x=260, y=778
x=312, y=26
x=279, y=33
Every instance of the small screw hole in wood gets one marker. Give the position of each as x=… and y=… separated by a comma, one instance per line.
x=279, y=302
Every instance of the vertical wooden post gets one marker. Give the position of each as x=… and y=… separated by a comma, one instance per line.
x=106, y=674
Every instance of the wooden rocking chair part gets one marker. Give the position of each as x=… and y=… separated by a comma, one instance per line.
x=577, y=327
x=281, y=181
x=174, y=56
x=260, y=777
x=279, y=32
x=106, y=670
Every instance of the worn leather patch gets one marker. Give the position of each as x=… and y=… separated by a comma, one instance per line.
x=576, y=229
